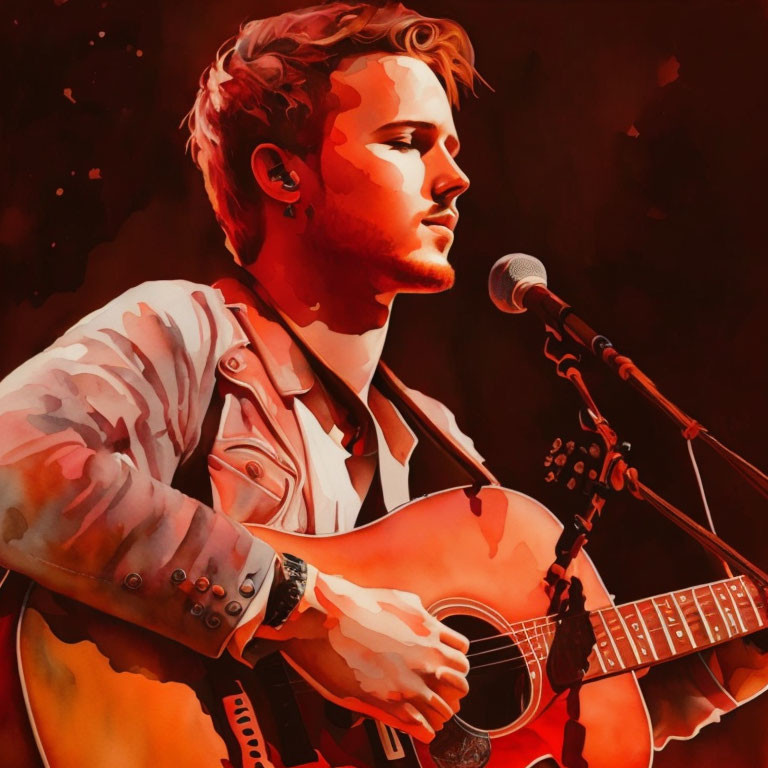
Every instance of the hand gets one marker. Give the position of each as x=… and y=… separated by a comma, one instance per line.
x=376, y=651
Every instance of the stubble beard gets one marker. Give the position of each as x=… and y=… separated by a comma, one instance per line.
x=363, y=257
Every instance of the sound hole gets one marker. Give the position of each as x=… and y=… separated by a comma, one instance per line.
x=499, y=685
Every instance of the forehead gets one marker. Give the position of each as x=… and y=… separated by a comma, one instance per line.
x=372, y=90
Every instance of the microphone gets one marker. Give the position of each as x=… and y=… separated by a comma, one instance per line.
x=518, y=282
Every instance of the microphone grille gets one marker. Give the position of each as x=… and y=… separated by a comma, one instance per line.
x=510, y=276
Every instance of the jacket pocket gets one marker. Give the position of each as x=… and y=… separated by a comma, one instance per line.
x=250, y=483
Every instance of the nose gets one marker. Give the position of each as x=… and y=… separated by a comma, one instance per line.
x=449, y=180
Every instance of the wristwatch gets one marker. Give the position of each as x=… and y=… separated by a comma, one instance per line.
x=288, y=588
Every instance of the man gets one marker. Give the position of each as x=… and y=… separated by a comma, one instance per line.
x=96, y=426
x=328, y=148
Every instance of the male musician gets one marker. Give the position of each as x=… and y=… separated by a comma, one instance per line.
x=328, y=149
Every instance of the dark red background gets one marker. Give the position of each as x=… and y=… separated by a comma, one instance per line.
x=645, y=195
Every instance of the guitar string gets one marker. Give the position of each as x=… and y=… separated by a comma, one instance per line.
x=694, y=623
x=550, y=622
x=522, y=659
x=540, y=633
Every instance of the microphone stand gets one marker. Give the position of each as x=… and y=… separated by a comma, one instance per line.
x=571, y=326
x=616, y=474
x=566, y=596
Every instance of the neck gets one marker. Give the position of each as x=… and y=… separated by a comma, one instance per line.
x=335, y=312
x=352, y=357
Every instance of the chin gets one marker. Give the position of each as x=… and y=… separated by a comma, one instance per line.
x=422, y=273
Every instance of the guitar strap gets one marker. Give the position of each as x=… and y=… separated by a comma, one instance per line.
x=391, y=386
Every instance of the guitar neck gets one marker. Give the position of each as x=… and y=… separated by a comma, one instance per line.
x=661, y=628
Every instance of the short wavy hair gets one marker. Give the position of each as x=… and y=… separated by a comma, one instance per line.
x=267, y=84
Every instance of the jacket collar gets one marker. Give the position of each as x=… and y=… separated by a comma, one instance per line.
x=289, y=370
x=284, y=361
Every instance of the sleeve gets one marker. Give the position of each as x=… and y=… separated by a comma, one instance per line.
x=91, y=432
x=690, y=693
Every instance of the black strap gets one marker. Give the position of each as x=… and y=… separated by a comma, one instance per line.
x=391, y=386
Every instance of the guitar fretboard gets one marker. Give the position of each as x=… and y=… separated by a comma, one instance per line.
x=660, y=628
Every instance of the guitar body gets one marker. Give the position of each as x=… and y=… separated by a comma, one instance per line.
x=102, y=692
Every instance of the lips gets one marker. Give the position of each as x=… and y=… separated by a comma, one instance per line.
x=442, y=221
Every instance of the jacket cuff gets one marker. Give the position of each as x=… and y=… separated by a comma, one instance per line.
x=201, y=601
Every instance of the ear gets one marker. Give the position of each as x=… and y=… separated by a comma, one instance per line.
x=270, y=166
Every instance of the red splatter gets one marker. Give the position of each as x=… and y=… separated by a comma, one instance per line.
x=68, y=95
x=139, y=52
x=102, y=33
x=94, y=173
x=59, y=192
x=668, y=71
x=632, y=131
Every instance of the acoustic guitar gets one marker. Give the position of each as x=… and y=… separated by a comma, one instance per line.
x=101, y=692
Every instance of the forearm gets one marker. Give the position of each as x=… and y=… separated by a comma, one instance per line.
x=90, y=526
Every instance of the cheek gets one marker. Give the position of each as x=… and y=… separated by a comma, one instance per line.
x=402, y=173
x=373, y=177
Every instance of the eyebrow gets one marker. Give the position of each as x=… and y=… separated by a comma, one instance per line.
x=423, y=125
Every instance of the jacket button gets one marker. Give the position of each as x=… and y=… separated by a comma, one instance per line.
x=254, y=470
x=213, y=621
x=197, y=609
x=132, y=581
x=233, y=608
x=234, y=364
x=218, y=591
x=202, y=584
x=178, y=576
x=247, y=588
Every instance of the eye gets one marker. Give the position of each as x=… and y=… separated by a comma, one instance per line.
x=401, y=145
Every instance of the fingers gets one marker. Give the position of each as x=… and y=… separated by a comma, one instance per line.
x=449, y=685
x=448, y=676
x=438, y=710
x=454, y=659
x=453, y=639
x=413, y=722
